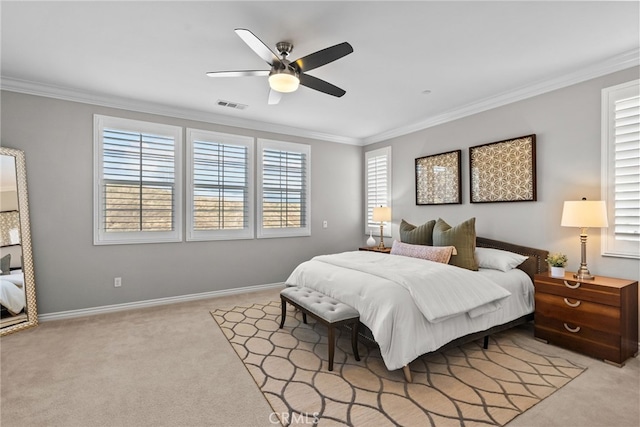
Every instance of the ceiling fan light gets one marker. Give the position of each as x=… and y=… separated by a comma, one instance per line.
x=282, y=81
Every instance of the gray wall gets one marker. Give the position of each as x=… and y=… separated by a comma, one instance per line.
x=567, y=127
x=72, y=273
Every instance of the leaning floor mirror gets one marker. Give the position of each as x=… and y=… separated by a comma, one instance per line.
x=17, y=280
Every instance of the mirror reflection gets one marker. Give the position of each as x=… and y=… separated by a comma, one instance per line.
x=17, y=287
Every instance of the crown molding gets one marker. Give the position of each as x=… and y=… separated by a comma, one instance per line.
x=611, y=65
x=103, y=100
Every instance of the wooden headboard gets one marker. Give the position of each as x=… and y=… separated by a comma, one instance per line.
x=536, y=262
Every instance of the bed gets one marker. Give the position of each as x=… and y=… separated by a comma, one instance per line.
x=397, y=315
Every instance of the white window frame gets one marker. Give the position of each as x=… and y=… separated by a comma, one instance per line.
x=267, y=144
x=101, y=237
x=228, y=139
x=610, y=246
x=382, y=196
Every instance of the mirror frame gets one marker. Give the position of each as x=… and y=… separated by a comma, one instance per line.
x=31, y=309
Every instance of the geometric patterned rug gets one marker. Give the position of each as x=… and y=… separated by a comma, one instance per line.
x=464, y=386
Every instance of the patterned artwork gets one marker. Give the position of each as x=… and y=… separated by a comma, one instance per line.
x=438, y=179
x=464, y=386
x=504, y=171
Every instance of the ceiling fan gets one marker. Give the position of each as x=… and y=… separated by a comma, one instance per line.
x=285, y=76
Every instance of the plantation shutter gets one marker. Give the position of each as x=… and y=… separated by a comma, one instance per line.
x=627, y=169
x=221, y=187
x=284, y=189
x=284, y=192
x=621, y=169
x=138, y=183
x=378, y=184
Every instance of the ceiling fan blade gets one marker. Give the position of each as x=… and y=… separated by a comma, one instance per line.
x=324, y=56
x=274, y=97
x=261, y=49
x=320, y=85
x=243, y=73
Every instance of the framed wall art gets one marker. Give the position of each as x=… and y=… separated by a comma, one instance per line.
x=438, y=179
x=503, y=171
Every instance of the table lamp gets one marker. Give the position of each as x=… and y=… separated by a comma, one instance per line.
x=584, y=214
x=381, y=214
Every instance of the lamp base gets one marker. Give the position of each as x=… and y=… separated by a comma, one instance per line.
x=583, y=276
x=381, y=245
x=583, y=273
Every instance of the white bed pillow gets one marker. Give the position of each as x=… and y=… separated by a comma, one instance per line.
x=431, y=253
x=496, y=259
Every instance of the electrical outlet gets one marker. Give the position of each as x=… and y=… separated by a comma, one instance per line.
x=325, y=224
x=117, y=282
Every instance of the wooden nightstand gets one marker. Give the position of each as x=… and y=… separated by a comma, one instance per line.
x=375, y=249
x=596, y=317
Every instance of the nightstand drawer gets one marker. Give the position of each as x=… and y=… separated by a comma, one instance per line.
x=600, y=317
x=594, y=343
x=576, y=290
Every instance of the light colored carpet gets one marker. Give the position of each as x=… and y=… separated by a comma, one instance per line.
x=173, y=366
x=463, y=386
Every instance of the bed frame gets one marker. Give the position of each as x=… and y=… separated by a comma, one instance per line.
x=535, y=264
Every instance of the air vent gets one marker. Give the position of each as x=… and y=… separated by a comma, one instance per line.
x=230, y=104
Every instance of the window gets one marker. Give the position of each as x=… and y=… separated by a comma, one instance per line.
x=284, y=189
x=219, y=186
x=621, y=169
x=137, y=182
x=377, y=185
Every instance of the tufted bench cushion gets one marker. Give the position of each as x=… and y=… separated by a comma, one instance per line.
x=321, y=305
x=326, y=310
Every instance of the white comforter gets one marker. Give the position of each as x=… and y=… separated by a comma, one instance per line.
x=406, y=301
x=12, y=292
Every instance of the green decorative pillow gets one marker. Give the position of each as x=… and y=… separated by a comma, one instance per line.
x=463, y=237
x=5, y=264
x=420, y=235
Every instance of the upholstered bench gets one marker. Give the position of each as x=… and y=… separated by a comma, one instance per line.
x=324, y=309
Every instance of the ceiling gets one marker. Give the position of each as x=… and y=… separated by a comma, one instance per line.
x=414, y=64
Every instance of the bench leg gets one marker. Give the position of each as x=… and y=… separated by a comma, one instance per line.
x=332, y=346
x=354, y=340
x=486, y=342
x=283, y=304
x=304, y=317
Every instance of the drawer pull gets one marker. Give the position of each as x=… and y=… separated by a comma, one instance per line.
x=570, y=286
x=568, y=328
x=575, y=304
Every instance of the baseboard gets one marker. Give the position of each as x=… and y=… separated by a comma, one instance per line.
x=70, y=314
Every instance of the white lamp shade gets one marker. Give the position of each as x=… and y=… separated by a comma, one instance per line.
x=382, y=214
x=283, y=82
x=584, y=214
